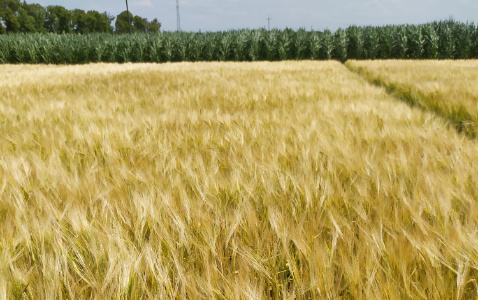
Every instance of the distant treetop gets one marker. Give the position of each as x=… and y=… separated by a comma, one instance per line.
x=18, y=17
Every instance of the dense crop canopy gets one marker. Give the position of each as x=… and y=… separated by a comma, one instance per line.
x=286, y=180
x=444, y=40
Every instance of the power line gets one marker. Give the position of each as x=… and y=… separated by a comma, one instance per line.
x=178, y=17
x=269, y=23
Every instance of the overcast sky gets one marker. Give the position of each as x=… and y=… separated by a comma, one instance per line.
x=216, y=15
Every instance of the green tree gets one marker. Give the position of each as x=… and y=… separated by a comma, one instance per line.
x=58, y=19
x=79, y=21
x=11, y=21
x=8, y=14
x=98, y=22
x=122, y=25
x=140, y=24
x=154, y=26
x=27, y=22
x=14, y=5
x=91, y=21
x=108, y=19
x=51, y=22
x=38, y=13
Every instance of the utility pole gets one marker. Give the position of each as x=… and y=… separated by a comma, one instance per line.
x=269, y=23
x=178, y=17
x=129, y=19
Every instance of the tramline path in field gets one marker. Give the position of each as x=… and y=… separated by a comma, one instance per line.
x=447, y=88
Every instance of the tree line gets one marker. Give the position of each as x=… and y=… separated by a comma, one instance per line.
x=20, y=17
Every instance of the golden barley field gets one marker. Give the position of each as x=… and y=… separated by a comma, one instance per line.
x=287, y=180
x=448, y=88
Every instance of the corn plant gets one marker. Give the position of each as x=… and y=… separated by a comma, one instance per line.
x=327, y=45
x=386, y=42
x=474, y=43
x=169, y=48
x=355, y=42
x=287, y=49
x=371, y=43
x=303, y=44
x=242, y=43
x=111, y=49
x=437, y=40
x=462, y=35
x=315, y=45
x=181, y=40
x=340, y=45
x=400, y=42
x=273, y=46
x=416, y=41
x=430, y=44
x=225, y=49
x=97, y=52
x=446, y=42
x=254, y=50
